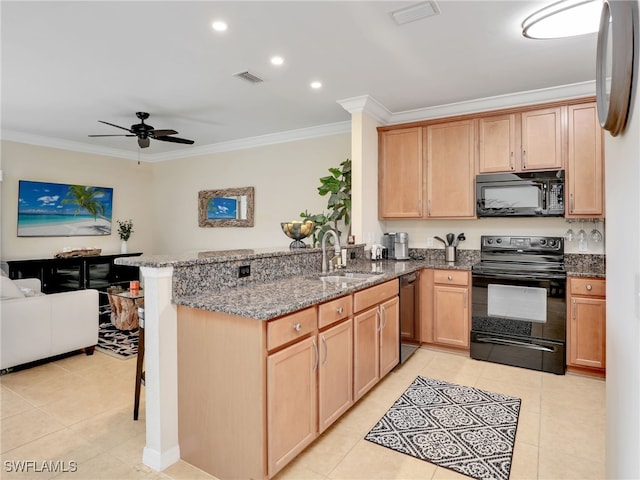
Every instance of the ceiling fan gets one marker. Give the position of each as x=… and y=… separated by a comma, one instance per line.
x=144, y=132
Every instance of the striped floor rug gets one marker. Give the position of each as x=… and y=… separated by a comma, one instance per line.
x=464, y=429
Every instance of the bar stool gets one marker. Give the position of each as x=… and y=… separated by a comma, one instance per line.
x=139, y=363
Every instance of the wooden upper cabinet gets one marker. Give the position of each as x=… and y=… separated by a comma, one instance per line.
x=400, y=182
x=519, y=142
x=585, y=163
x=542, y=139
x=450, y=169
x=497, y=144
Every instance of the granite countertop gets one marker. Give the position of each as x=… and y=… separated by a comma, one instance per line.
x=264, y=301
x=586, y=271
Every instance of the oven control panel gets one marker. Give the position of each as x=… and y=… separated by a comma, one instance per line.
x=520, y=243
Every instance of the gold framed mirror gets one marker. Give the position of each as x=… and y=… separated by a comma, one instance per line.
x=229, y=207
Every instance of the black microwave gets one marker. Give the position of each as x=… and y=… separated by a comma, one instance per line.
x=530, y=194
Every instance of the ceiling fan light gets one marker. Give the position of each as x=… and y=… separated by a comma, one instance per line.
x=567, y=18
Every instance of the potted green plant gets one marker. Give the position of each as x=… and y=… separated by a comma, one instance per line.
x=125, y=229
x=338, y=185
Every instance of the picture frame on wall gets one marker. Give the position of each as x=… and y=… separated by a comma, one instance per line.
x=48, y=209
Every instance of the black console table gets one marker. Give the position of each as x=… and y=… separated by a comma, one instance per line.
x=75, y=273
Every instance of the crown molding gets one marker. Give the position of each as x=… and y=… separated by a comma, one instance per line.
x=369, y=105
x=42, y=141
x=254, y=142
x=551, y=94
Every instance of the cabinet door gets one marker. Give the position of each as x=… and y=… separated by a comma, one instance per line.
x=451, y=315
x=585, y=165
x=389, y=335
x=542, y=139
x=291, y=402
x=366, y=351
x=450, y=170
x=587, y=335
x=497, y=144
x=335, y=373
x=400, y=183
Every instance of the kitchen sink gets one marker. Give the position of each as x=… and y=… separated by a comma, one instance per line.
x=348, y=277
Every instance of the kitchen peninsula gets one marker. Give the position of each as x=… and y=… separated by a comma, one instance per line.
x=199, y=288
x=219, y=346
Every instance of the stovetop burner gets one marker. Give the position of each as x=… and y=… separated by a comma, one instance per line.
x=522, y=256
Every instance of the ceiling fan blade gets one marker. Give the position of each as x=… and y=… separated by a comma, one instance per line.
x=144, y=142
x=119, y=135
x=165, y=138
x=114, y=125
x=161, y=133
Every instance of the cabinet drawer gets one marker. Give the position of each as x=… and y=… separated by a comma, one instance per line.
x=451, y=277
x=374, y=295
x=290, y=328
x=593, y=287
x=331, y=312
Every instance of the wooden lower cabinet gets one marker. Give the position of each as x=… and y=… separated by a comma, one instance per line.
x=445, y=299
x=292, y=402
x=586, y=325
x=335, y=373
x=376, y=335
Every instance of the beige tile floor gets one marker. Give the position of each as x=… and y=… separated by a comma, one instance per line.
x=79, y=409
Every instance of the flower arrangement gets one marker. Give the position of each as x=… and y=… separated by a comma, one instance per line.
x=125, y=229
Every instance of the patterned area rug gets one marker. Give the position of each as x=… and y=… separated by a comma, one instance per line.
x=461, y=428
x=117, y=343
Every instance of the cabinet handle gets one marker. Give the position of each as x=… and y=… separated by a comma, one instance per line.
x=379, y=319
x=383, y=316
x=420, y=206
x=340, y=310
x=571, y=203
x=315, y=349
x=589, y=288
x=326, y=350
x=429, y=207
x=449, y=277
x=297, y=327
x=511, y=162
x=573, y=309
x=524, y=159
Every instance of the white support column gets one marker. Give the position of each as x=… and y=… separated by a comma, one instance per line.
x=161, y=369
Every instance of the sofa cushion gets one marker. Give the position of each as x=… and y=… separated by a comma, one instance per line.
x=30, y=292
x=8, y=289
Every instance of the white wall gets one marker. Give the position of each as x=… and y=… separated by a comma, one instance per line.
x=285, y=177
x=623, y=296
x=131, y=185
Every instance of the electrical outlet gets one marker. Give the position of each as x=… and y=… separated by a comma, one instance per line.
x=244, y=271
x=430, y=242
x=352, y=255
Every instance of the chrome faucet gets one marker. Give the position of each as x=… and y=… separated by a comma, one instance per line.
x=336, y=247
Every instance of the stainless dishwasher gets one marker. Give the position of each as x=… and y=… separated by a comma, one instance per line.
x=409, y=319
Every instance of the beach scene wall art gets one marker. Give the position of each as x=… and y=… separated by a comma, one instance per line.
x=63, y=210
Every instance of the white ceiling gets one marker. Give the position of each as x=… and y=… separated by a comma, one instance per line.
x=66, y=65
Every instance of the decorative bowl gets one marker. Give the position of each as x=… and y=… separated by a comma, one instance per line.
x=297, y=230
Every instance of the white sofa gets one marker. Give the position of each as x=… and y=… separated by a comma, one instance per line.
x=37, y=326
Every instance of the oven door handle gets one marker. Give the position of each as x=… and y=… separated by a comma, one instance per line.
x=514, y=343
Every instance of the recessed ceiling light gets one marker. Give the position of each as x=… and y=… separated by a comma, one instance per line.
x=219, y=26
x=277, y=60
x=316, y=85
x=567, y=18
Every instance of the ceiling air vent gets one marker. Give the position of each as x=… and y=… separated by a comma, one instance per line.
x=414, y=12
x=249, y=77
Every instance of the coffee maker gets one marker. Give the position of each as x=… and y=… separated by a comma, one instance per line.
x=397, y=245
x=401, y=246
